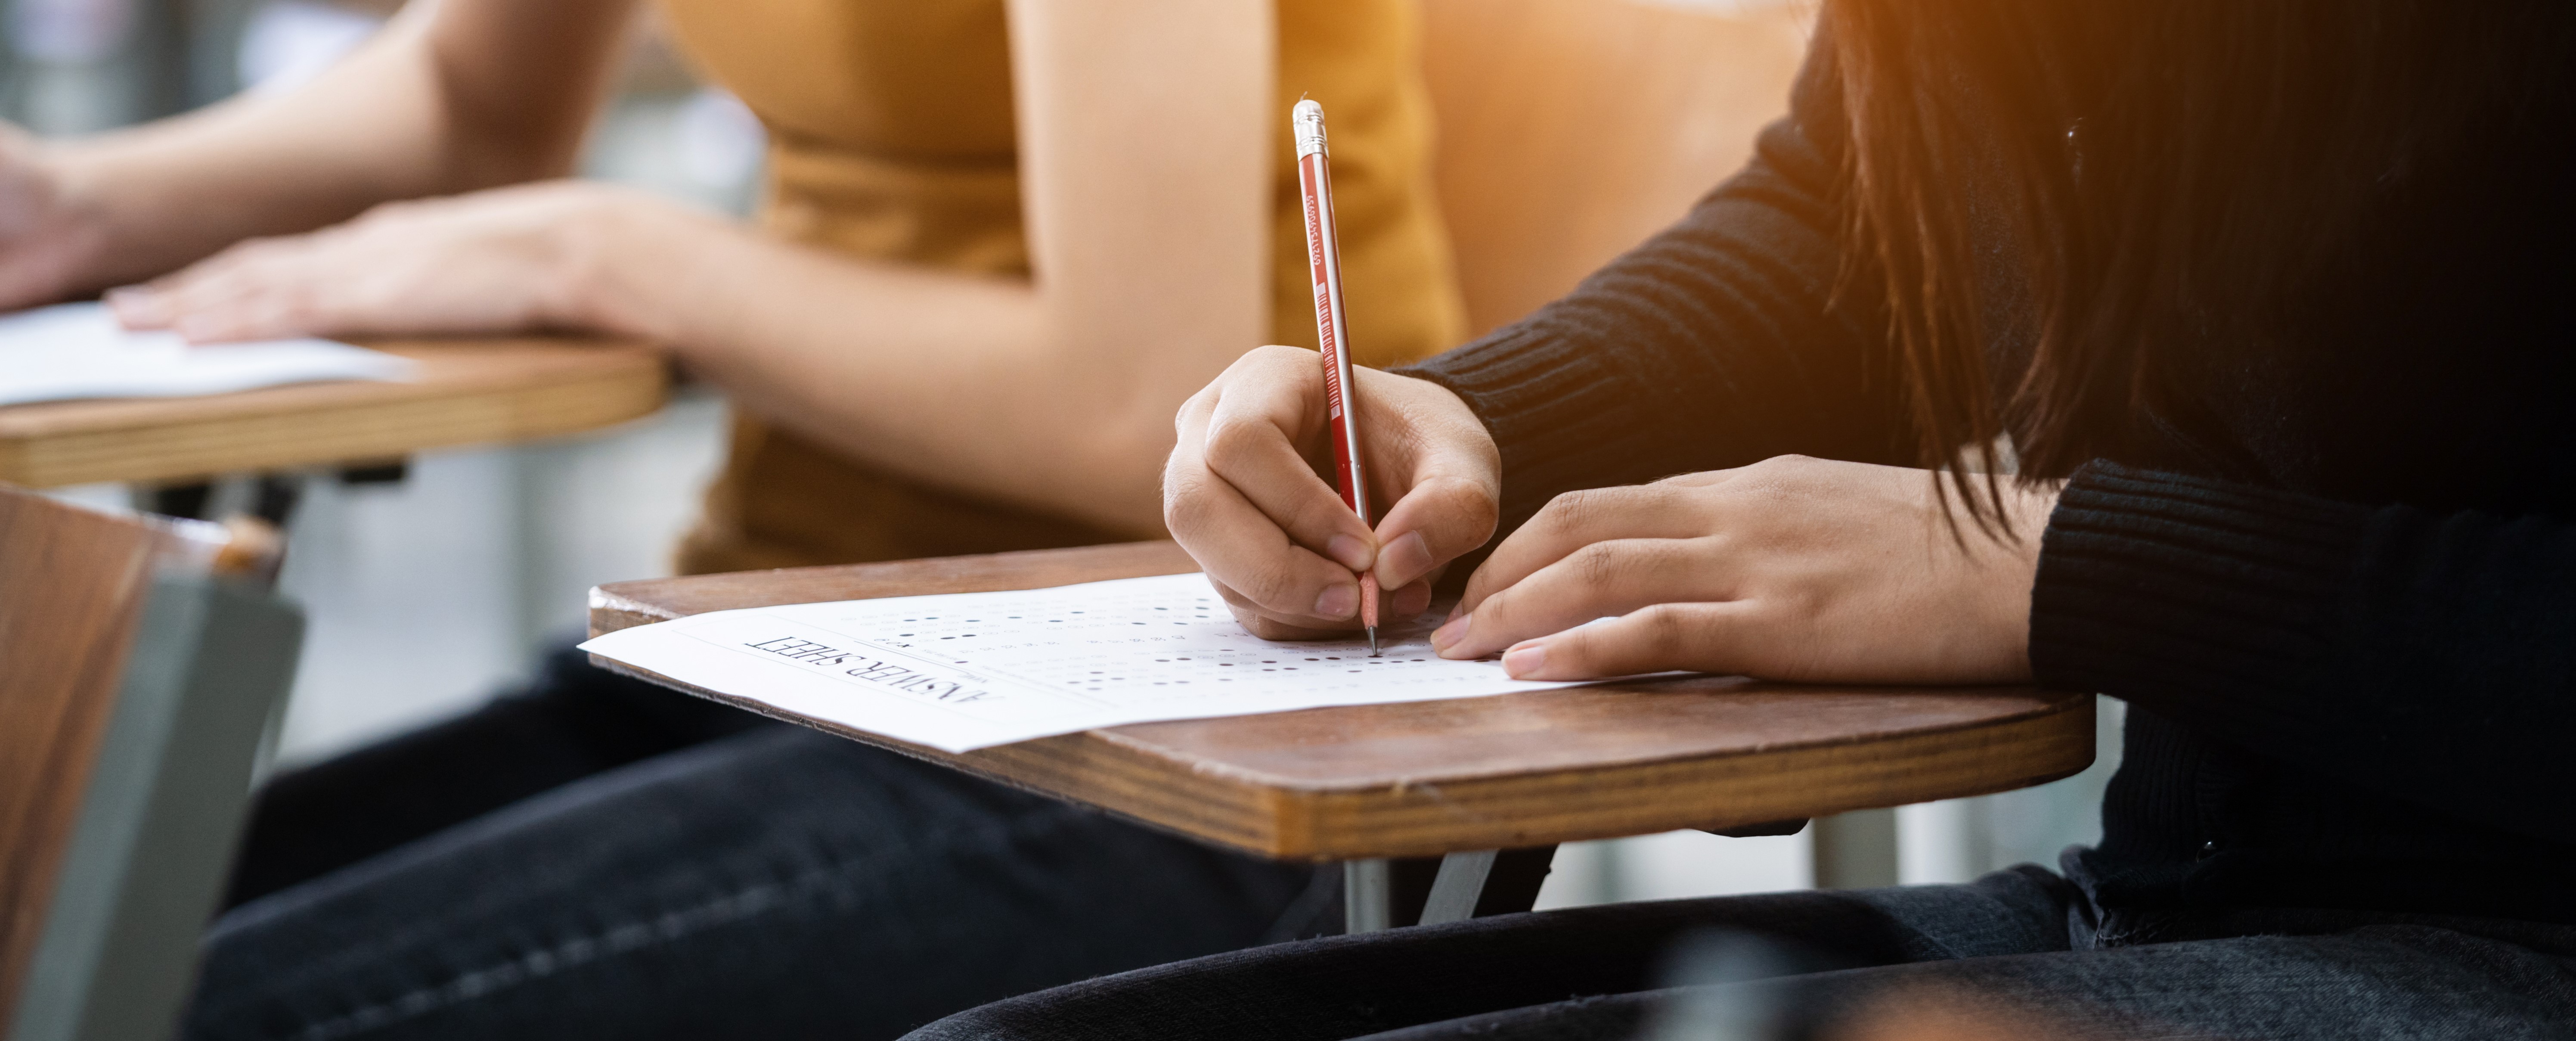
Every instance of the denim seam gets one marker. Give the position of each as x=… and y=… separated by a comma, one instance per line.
x=623, y=939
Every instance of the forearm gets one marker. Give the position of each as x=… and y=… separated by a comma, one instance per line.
x=410, y=114
x=1056, y=394
x=981, y=385
x=1715, y=344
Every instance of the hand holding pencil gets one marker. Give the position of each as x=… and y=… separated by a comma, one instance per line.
x=1276, y=538
x=1293, y=556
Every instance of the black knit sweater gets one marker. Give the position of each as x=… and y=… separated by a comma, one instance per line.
x=2338, y=590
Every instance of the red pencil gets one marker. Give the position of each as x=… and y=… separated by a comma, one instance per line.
x=1324, y=262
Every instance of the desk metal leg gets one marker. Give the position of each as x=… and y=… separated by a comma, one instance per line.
x=1856, y=850
x=1368, y=896
x=1369, y=891
x=1460, y=884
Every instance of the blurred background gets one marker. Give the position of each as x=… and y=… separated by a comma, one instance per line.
x=430, y=594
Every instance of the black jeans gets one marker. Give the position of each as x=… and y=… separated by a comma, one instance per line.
x=2017, y=940
x=602, y=858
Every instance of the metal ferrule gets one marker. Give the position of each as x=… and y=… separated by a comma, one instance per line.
x=1308, y=119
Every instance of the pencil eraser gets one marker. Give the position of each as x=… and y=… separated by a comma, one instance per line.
x=1307, y=122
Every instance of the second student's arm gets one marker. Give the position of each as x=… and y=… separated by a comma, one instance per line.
x=1144, y=135
x=450, y=97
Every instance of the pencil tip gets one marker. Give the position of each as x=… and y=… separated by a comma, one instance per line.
x=1372, y=631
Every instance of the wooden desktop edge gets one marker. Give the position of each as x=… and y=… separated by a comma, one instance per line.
x=483, y=390
x=1292, y=819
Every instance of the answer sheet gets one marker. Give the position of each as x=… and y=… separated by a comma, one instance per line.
x=968, y=670
x=79, y=351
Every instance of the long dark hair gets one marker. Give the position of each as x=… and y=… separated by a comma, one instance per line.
x=2169, y=171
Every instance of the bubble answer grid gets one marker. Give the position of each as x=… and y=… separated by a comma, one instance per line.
x=969, y=670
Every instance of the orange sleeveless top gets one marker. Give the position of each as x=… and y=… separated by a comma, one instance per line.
x=891, y=133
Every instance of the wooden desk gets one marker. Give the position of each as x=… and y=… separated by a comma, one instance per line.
x=1445, y=776
x=468, y=392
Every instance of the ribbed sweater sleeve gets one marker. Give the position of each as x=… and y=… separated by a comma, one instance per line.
x=2428, y=656
x=1711, y=345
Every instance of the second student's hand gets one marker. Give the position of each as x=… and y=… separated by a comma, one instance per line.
x=1243, y=495
x=561, y=254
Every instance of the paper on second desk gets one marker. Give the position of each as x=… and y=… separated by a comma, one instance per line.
x=969, y=670
x=79, y=351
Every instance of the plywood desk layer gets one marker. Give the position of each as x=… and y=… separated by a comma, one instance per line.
x=482, y=391
x=1479, y=773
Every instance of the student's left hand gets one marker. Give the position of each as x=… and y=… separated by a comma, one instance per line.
x=1789, y=569
x=537, y=256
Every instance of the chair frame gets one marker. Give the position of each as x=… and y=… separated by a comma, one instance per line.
x=118, y=923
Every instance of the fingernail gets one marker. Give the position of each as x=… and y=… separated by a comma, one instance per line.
x=1338, y=602
x=1525, y=661
x=1457, y=609
x=1449, y=632
x=1351, y=551
x=1404, y=560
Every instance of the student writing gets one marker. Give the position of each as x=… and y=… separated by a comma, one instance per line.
x=2268, y=300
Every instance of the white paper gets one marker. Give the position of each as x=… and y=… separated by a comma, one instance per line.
x=968, y=670
x=79, y=351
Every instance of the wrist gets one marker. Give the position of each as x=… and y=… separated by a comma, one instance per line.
x=619, y=265
x=2028, y=509
x=57, y=233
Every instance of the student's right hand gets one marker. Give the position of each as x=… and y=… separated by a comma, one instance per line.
x=1248, y=491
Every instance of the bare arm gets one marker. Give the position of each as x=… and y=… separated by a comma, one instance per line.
x=1145, y=128
x=1144, y=134
x=455, y=95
